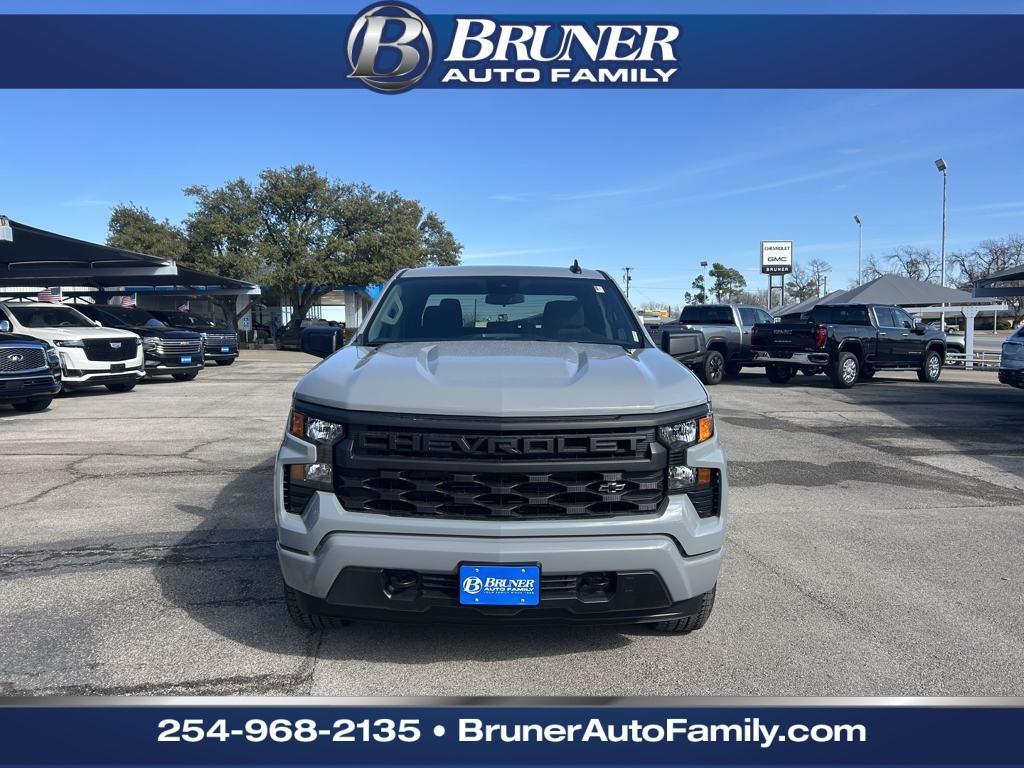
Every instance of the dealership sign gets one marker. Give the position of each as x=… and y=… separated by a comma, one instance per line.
x=776, y=257
x=391, y=47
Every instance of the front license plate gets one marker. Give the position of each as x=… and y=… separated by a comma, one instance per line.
x=186, y=359
x=117, y=367
x=225, y=350
x=499, y=584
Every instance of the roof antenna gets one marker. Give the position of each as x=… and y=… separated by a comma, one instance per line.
x=575, y=268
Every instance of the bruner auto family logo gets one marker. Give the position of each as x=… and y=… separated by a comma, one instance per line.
x=472, y=585
x=391, y=49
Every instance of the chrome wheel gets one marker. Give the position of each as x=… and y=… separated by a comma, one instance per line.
x=849, y=371
x=934, y=366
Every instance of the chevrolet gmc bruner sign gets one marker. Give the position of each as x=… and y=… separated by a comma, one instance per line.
x=391, y=47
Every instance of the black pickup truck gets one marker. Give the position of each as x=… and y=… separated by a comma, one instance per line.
x=850, y=342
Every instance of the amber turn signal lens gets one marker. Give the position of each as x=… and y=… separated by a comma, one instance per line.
x=296, y=472
x=705, y=428
x=703, y=477
x=297, y=424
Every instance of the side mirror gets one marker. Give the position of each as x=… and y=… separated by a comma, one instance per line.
x=97, y=323
x=321, y=340
x=5, y=326
x=777, y=320
x=682, y=343
x=919, y=328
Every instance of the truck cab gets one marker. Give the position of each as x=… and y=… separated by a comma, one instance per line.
x=500, y=445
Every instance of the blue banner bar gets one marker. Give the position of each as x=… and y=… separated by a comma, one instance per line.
x=464, y=735
x=710, y=51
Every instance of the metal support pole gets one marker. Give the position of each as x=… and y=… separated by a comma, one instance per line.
x=943, y=267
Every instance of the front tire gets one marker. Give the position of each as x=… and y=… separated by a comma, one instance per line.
x=33, y=406
x=304, y=619
x=713, y=370
x=121, y=387
x=778, y=373
x=846, y=371
x=185, y=376
x=690, y=623
x=225, y=362
x=931, y=368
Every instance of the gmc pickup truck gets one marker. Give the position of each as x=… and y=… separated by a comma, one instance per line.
x=500, y=445
x=725, y=344
x=851, y=342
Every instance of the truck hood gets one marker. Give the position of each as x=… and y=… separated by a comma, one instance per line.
x=501, y=378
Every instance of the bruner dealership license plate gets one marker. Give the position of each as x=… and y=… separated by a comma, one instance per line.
x=499, y=584
x=186, y=359
x=225, y=350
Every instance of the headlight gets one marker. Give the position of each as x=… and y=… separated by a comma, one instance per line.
x=322, y=433
x=149, y=343
x=204, y=336
x=317, y=431
x=686, y=433
x=52, y=357
x=69, y=343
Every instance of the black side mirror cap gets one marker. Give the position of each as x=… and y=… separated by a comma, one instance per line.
x=322, y=340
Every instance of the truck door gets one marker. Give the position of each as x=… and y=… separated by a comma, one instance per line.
x=910, y=345
x=747, y=319
x=888, y=338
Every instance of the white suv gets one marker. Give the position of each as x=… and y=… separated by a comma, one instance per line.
x=90, y=355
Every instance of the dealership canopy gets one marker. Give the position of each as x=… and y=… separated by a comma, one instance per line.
x=888, y=289
x=994, y=286
x=36, y=258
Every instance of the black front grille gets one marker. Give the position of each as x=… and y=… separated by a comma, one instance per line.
x=500, y=494
x=107, y=350
x=14, y=359
x=708, y=501
x=560, y=587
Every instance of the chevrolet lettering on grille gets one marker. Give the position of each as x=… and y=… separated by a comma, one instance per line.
x=501, y=445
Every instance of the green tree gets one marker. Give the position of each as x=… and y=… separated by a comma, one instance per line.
x=700, y=291
x=133, y=228
x=727, y=281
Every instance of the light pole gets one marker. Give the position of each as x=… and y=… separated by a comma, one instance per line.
x=943, y=169
x=704, y=293
x=860, y=249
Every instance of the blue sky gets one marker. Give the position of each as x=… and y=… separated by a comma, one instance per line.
x=654, y=180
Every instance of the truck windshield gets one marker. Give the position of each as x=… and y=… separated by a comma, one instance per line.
x=504, y=308
x=186, y=319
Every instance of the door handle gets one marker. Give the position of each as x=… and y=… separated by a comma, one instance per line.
x=905, y=334
x=882, y=333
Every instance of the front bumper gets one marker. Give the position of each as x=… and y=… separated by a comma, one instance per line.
x=165, y=365
x=1012, y=376
x=319, y=549
x=17, y=388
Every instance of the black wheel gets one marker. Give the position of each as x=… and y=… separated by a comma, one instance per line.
x=121, y=387
x=867, y=373
x=225, y=362
x=846, y=371
x=32, y=406
x=185, y=376
x=304, y=619
x=931, y=367
x=778, y=373
x=690, y=623
x=733, y=369
x=713, y=370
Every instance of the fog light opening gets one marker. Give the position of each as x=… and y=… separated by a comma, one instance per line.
x=396, y=582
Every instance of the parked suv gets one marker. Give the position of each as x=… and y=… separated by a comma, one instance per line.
x=1011, y=362
x=221, y=341
x=167, y=351
x=850, y=342
x=29, y=371
x=725, y=329
x=500, y=445
x=89, y=356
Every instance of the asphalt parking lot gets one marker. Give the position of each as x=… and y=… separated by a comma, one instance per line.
x=875, y=547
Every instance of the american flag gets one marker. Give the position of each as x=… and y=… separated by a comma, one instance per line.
x=183, y=307
x=128, y=301
x=51, y=295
